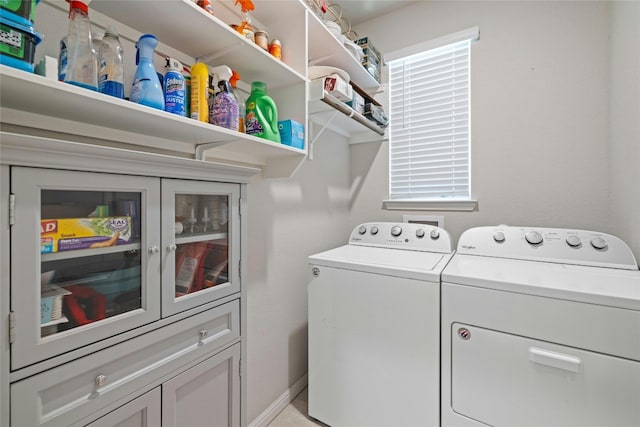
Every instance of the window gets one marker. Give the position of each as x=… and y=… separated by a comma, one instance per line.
x=429, y=144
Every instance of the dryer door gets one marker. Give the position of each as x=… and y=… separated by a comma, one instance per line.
x=506, y=380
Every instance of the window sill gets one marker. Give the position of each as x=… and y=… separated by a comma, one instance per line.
x=430, y=205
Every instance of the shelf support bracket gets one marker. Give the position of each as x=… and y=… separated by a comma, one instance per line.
x=317, y=135
x=201, y=148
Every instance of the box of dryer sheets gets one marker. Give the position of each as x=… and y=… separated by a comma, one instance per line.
x=291, y=133
x=66, y=234
x=338, y=87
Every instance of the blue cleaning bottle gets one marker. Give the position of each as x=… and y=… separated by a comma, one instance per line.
x=146, y=88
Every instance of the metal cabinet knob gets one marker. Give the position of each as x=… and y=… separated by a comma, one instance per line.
x=172, y=247
x=101, y=380
x=154, y=250
x=203, y=334
x=315, y=271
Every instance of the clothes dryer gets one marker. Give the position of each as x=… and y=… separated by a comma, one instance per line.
x=374, y=316
x=540, y=327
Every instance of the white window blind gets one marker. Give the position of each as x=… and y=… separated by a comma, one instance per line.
x=429, y=124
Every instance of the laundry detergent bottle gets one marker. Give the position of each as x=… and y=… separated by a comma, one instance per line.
x=261, y=114
x=146, y=88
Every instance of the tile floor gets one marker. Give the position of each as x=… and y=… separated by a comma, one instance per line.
x=295, y=414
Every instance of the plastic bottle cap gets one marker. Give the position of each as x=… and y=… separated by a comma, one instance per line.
x=261, y=86
x=147, y=36
x=234, y=78
x=79, y=5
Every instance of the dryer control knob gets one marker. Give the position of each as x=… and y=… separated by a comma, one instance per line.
x=498, y=236
x=533, y=237
x=435, y=234
x=573, y=241
x=374, y=230
x=419, y=233
x=599, y=243
x=396, y=230
x=362, y=229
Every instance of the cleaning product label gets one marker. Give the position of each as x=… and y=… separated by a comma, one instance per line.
x=174, y=93
x=196, y=109
x=252, y=125
x=136, y=90
x=11, y=42
x=224, y=111
x=12, y=5
x=109, y=79
x=62, y=60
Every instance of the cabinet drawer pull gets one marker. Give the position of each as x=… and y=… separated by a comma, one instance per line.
x=556, y=360
x=154, y=250
x=203, y=334
x=172, y=247
x=101, y=380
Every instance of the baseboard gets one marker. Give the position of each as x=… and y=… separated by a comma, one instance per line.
x=280, y=403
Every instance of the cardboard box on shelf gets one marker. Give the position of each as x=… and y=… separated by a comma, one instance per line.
x=338, y=87
x=291, y=133
x=82, y=233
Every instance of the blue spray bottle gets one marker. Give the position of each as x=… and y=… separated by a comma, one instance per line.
x=146, y=88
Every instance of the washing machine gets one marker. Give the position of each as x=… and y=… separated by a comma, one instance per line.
x=540, y=327
x=374, y=325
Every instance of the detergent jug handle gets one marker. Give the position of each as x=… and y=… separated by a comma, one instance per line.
x=273, y=115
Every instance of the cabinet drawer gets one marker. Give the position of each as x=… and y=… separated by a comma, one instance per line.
x=73, y=391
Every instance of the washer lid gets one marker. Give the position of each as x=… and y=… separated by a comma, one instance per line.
x=411, y=264
x=604, y=286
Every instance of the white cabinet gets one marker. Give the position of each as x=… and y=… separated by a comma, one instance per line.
x=143, y=411
x=131, y=309
x=201, y=241
x=94, y=292
x=213, y=384
x=101, y=244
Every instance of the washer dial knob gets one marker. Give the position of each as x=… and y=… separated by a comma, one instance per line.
x=533, y=237
x=599, y=243
x=435, y=234
x=419, y=233
x=574, y=241
x=498, y=236
x=396, y=230
x=362, y=229
x=374, y=230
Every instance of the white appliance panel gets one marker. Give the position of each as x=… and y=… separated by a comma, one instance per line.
x=506, y=380
x=553, y=245
x=603, y=286
x=373, y=349
x=391, y=262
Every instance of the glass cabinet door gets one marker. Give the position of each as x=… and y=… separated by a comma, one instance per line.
x=201, y=243
x=85, y=259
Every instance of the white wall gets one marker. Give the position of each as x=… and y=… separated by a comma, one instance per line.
x=539, y=103
x=624, y=113
x=290, y=219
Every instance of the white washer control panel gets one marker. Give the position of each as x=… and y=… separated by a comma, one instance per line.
x=566, y=246
x=409, y=236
